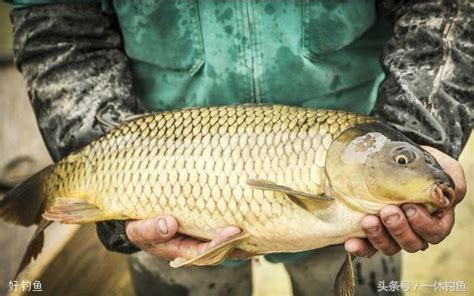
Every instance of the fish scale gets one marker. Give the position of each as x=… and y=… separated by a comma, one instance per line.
x=194, y=164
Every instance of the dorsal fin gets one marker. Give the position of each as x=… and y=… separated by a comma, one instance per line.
x=111, y=124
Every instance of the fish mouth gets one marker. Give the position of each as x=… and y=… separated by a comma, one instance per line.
x=443, y=196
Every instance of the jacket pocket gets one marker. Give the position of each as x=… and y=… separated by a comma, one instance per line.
x=333, y=24
x=162, y=33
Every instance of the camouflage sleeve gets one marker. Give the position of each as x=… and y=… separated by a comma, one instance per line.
x=72, y=59
x=428, y=92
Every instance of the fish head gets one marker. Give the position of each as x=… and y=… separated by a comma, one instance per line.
x=402, y=172
x=373, y=165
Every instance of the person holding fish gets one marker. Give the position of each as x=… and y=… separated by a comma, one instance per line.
x=89, y=64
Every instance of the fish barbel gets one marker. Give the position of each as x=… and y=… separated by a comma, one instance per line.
x=291, y=178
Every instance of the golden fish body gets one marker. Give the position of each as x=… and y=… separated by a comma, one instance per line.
x=291, y=178
x=196, y=164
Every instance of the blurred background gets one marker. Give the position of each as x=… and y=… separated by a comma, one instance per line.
x=74, y=262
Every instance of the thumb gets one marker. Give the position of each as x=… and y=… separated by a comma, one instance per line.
x=150, y=232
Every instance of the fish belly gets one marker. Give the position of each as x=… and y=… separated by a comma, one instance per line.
x=194, y=164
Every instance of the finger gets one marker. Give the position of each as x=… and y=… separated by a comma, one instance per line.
x=429, y=228
x=453, y=168
x=398, y=227
x=149, y=232
x=222, y=236
x=360, y=247
x=173, y=248
x=456, y=172
x=378, y=237
x=188, y=248
x=177, y=247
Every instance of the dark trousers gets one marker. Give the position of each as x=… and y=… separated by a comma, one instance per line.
x=314, y=275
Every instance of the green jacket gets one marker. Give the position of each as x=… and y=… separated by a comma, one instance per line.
x=188, y=54
x=203, y=53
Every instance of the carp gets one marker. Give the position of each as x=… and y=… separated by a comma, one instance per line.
x=291, y=178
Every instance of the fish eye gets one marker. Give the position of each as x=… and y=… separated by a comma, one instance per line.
x=403, y=155
x=401, y=159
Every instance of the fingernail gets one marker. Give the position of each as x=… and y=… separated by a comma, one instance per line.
x=391, y=219
x=372, y=230
x=409, y=211
x=162, y=226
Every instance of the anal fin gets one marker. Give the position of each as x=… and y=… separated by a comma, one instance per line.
x=73, y=210
x=214, y=255
x=344, y=284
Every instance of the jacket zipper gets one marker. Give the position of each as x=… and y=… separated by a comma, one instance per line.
x=251, y=33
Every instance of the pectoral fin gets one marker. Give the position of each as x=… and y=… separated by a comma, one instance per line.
x=306, y=200
x=215, y=255
x=345, y=285
x=73, y=210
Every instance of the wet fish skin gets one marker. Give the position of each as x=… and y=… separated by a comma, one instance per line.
x=195, y=163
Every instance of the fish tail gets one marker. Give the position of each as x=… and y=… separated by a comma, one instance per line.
x=24, y=205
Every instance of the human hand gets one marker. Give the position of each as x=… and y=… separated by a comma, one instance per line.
x=409, y=227
x=158, y=236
